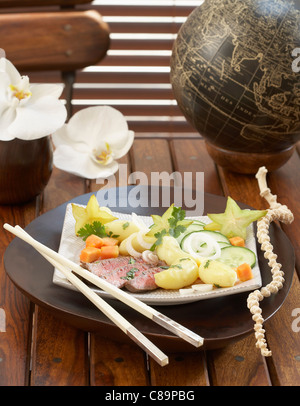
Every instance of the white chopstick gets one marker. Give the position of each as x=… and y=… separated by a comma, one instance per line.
x=109, y=311
x=130, y=300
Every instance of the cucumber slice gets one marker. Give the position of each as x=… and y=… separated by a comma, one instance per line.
x=235, y=256
x=195, y=226
x=220, y=238
x=199, y=222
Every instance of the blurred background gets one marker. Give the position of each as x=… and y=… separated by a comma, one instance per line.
x=133, y=76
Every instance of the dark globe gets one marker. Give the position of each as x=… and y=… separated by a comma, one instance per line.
x=235, y=76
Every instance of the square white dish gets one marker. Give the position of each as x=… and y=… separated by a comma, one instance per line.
x=71, y=245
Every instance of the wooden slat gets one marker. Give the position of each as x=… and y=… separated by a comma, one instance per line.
x=107, y=92
x=59, y=353
x=287, y=177
x=133, y=60
x=150, y=156
x=15, y=337
x=156, y=113
x=191, y=155
x=141, y=43
x=106, y=76
x=40, y=3
x=144, y=27
x=77, y=39
x=153, y=158
x=184, y=369
x=124, y=8
x=150, y=123
x=64, y=362
x=283, y=365
x=103, y=76
x=128, y=18
x=62, y=187
x=238, y=364
x=116, y=364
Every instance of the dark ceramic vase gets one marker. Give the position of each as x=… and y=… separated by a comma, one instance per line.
x=25, y=169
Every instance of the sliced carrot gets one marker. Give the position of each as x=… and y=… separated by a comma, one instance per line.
x=94, y=241
x=109, y=241
x=90, y=254
x=109, y=251
x=237, y=241
x=244, y=272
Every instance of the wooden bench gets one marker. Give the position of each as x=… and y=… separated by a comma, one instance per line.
x=62, y=38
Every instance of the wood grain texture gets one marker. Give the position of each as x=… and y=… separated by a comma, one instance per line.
x=192, y=155
x=16, y=337
x=244, y=188
x=40, y=3
x=187, y=369
x=64, y=41
x=238, y=364
x=64, y=355
x=59, y=352
x=116, y=364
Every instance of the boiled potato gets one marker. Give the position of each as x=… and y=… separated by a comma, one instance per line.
x=169, y=251
x=217, y=273
x=182, y=273
x=122, y=228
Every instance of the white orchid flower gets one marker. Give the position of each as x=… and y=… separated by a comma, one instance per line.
x=28, y=111
x=91, y=142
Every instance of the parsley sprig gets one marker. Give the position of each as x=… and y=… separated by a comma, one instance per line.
x=171, y=223
x=96, y=228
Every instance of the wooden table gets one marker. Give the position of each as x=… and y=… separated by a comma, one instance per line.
x=39, y=349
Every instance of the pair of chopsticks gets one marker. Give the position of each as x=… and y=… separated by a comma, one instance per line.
x=66, y=266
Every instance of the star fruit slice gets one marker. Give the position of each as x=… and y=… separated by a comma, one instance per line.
x=92, y=212
x=234, y=221
x=161, y=223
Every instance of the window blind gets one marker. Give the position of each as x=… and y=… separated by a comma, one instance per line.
x=134, y=77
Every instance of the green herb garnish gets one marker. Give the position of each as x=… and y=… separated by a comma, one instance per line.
x=111, y=235
x=176, y=266
x=172, y=223
x=125, y=225
x=96, y=228
x=130, y=274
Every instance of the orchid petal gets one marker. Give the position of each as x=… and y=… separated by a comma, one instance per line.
x=92, y=140
x=38, y=119
x=7, y=118
x=93, y=126
x=122, y=149
x=42, y=90
x=80, y=164
x=28, y=111
x=8, y=67
x=4, y=84
x=63, y=136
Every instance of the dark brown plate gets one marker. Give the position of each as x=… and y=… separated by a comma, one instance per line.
x=220, y=320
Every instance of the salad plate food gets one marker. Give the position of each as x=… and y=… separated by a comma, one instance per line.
x=217, y=316
x=71, y=245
